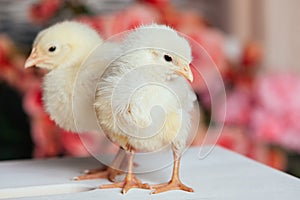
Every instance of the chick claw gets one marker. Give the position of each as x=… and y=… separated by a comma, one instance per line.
x=172, y=185
x=108, y=173
x=130, y=182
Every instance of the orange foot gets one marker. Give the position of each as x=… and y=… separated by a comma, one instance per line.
x=130, y=182
x=108, y=173
x=172, y=185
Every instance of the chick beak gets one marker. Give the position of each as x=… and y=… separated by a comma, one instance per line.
x=186, y=73
x=33, y=59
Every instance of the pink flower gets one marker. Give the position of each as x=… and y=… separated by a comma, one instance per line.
x=72, y=144
x=33, y=103
x=132, y=17
x=46, y=137
x=279, y=93
x=275, y=118
x=238, y=139
x=45, y=134
x=84, y=144
x=208, y=56
x=252, y=54
x=235, y=139
x=232, y=137
x=6, y=48
x=274, y=157
x=238, y=107
x=44, y=10
x=12, y=67
x=184, y=21
x=96, y=22
x=157, y=3
x=213, y=42
x=266, y=126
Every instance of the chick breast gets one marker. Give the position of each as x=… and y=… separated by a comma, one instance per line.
x=141, y=109
x=57, y=95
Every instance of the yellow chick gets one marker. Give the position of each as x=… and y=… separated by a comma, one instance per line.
x=152, y=70
x=61, y=49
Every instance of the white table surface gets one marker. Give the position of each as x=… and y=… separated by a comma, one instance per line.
x=221, y=175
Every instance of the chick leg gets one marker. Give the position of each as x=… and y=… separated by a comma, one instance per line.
x=110, y=172
x=130, y=180
x=174, y=183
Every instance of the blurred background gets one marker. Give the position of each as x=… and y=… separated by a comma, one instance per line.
x=254, y=44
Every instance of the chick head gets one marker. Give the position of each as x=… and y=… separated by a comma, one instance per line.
x=160, y=45
x=62, y=45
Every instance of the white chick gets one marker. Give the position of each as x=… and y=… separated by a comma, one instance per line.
x=153, y=70
x=61, y=49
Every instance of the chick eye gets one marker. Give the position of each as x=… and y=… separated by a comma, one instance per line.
x=168, y=58
x=52, y=49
